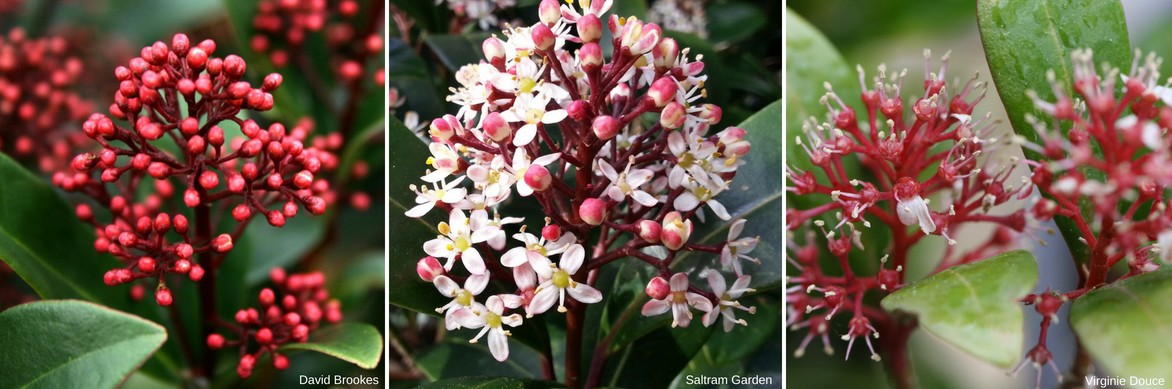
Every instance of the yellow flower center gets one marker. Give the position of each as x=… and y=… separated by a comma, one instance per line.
x=462, y=244
x=561, y=279
x=526, y=85
x=492, y=319
x=687, y=160
x=534, y=115
x=680, y=297
x=538, y=248
x=464, y=298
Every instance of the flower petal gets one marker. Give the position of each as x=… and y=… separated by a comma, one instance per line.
x=584, y=293
x=543, y=300
x=476, y=283
x=525, y=135
x=515, y=257
x=473, y=262
x=572, y=258
x=716, y=282
x=678, y=282
x=498, y=343
x=445, y=285
x=655, y=307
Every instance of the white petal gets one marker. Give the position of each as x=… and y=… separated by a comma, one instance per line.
x=454, y=195
x=476, y=283
x=498, y=343
x=716, y=282
x=541, y=264
x=420, y=210
x=608, y=171
x=525, y=135
x=686, y=202
x=543, y=300
x=585, y=293
x=511, y=300
x=466, y=318
x=445, y=286
x=699, y=301
x=546, y=159
x=735, y=229
x=655, y=307
x=718, y=209
x=473, y=262
x=678, y=282
x=645, y=199
x=515, y=257
x=554, y=116
x=572, y=258
x=495, y=304
x=524, y=275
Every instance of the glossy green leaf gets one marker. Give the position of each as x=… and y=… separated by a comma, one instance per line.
x=407, y=164
x=70, y=343
x=41, y=239
x=491, y=383
x=455, y=357
x=455, y=50
x=734, y=21
x=272, y=247
x=974, y=306
x=1024, y=40
x=811, y=61
x=1125, y=325
x=357, y=343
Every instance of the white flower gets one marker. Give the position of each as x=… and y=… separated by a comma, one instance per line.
x=736, y=249
x=697, y=193
x=558, y=281
x=456, y=241
x=444, y=191
x=678, y=301
x=444, y=159
x=728, y=301
x=535, y=249
x=521, y=165
x=531, y=109
x=462, y=298
x=491, y=321
x=694, y=157
x=628, y=183
x=913, y=211
x=493, y=179
x=527, y=80
x=489, y=230
x=589, y=7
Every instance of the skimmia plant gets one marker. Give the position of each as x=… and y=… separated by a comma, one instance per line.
x=903, y=164
x=619, y=153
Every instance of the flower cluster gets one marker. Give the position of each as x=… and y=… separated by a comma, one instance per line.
x=37, y=105
x=298, y=306
x=1106, y=145
x=283, y=26
x=482, y=11
x=186, y=135
x=932, y=150
x=613, y=184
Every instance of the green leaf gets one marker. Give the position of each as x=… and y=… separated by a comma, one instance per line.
x=974, y=306
x=456, y=50
x=70, y=343
x=272, y=247
x=41, y=239
x=811, y=61
x=491, y=383
x=408, y=156
x=1124, y=325
x=734, y=21
x=1024, y=40
x=455, y=357
x=357, y=343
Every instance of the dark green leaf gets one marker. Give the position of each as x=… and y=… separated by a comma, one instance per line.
x=491, y=383
x=456, y=357
x=733, y=21
x=357, y=343
x=41, y=239
x=1124, y=325
x=69, y=343
x=455, y=50
x=273, y=247
x=408, y=156
x=975, y=306
x=1024, y=40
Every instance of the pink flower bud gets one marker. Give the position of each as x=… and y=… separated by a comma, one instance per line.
x=543, y=37
x=662, y=91
x=658, y=288
x=429, y=268
x=676, y=231
x=589, y=28
x=163, y=296
x=538, y=178
x=441, y=129
x=272, y=82
x=181, y=266
x=184, y=250
x=209, y=179
x=549, y=11
x=551, y=232
x=711, y=113
x=191, y=198
x=241, y=212
x=494, y=50
x=649, y=230
x=215, y=341
x=496, y=127
x=196, y=273
x=590, y=56
x=665, y=53
x=673, y=116
x=303, y=179
x=592, y=211
x=222, y=243
x=578, y=110
x=275, y=218
x=84, y=162
x=605, y=127
x=146, y=264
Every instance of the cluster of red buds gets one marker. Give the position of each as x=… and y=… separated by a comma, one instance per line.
x=288, y=314
x=614, y=186
x=37, y=105
x=1109, y=146
x=284, y=26
x=187, y=135
x=929, y=149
